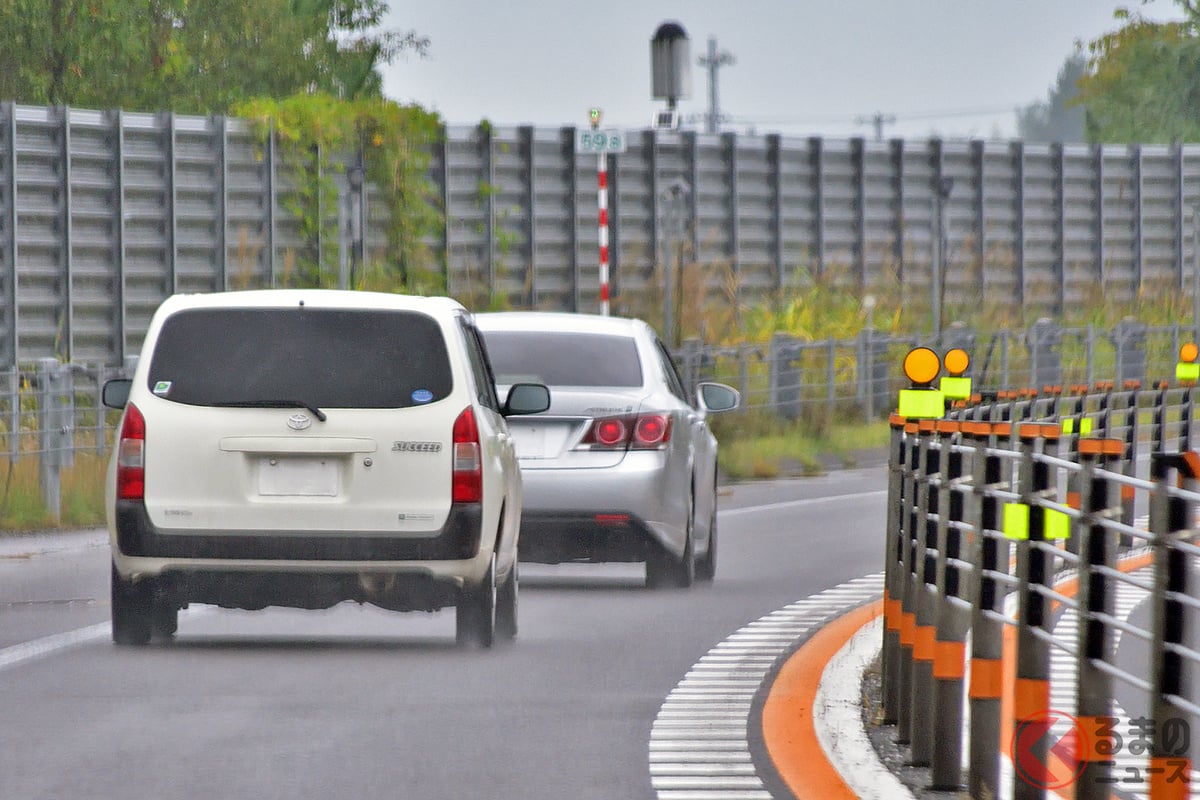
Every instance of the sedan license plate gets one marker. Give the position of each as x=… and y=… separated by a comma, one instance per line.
x=298, y=477
x=530, y=442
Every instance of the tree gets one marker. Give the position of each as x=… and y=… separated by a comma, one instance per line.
x=192, y=56
x=1143, y=80
x=1058, y=118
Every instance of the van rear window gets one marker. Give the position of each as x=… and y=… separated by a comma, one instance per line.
x=327, y=358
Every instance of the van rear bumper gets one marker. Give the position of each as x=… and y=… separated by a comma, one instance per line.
x=458, y=539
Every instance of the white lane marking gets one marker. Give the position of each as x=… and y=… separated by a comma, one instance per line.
x=706, y=716
x=837, y=716
x=808, y=501
x=49, y=645
x=40, y=648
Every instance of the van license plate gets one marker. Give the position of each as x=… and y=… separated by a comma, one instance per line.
x=302, y=477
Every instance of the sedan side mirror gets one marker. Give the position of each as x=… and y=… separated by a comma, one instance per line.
x=717, y=397
x=116, y=392
x=526, y=398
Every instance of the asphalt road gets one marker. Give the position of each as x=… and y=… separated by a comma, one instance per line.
x=357, y=702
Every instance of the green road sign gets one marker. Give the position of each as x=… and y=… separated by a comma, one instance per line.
x=610, y=140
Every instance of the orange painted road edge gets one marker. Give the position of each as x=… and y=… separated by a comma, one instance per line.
x=788, y=728
x=787, y=716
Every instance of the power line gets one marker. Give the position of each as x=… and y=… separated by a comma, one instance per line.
x=817, y=119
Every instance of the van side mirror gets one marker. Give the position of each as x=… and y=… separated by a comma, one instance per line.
x=116, y=392
x=526, y=398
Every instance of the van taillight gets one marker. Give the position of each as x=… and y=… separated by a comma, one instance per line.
x=467, y=481
x=131, y=456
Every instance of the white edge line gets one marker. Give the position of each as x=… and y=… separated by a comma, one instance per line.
x=808, y=501
x=47, y=645
x=837, y=717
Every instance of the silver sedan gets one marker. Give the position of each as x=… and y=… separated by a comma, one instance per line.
x=623, y=466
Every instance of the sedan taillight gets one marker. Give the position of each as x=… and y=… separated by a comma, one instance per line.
x=630, y=432
x=131, y=456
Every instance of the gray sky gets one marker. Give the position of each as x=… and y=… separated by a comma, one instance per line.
x=803, y=66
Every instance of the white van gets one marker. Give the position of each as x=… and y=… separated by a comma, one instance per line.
x=305, y=447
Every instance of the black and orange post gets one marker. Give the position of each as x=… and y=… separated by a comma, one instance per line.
x=991, y=557
x=914, y=450
x=898, y=471
x=1170, y=518
x=922, y=593
x=1025, y=523
x=953, y=616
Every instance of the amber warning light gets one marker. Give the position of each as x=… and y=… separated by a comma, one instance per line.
x=954, y=385
x=921, y=366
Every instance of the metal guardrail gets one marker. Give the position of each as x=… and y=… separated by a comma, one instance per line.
x=1015, y=500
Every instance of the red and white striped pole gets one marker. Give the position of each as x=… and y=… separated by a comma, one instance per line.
x=602, y=196
x=602, y=180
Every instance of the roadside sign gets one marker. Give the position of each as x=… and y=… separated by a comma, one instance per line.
x=610, y=140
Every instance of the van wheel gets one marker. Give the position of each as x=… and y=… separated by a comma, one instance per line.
x=164, y=619
x=475, y=617
x=506, y=606
x=132, y=610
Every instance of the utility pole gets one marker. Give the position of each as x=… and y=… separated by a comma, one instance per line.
x=878, y=120
x=713, y=61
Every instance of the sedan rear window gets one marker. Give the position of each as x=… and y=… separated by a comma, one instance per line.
x=564, y=359
x=326, y=358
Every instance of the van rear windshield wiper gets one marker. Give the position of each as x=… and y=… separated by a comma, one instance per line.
x=316, y=412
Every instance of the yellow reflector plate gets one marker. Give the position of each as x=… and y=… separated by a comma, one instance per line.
x=922, y=403
x=1057, y=525
x=1016, y=521
x=1185, y=371
x=1069, y=425
x=1085, y=426
x=956, y=388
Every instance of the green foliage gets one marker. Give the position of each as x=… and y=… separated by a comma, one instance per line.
x=322, y=133
x=1058, y=118
x=190, y=56
x=1143, y=80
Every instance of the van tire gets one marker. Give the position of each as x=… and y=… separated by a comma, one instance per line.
x=132, y=610
x=506, y=605
x=475, y=617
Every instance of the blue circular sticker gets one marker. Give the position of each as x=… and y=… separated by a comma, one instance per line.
x=422, y=396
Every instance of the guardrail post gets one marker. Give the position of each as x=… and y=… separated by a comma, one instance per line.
x=1097, y=553
x=898, y=466
x=991, y=557
x=1031, y=695
x=784, y=376
x=55, y=429
x=923, y=575
x=1170, y=515
x=953, y=618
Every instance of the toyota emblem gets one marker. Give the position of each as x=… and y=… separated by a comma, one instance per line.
x=299, y=422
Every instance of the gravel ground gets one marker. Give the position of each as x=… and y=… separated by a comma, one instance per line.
x=894, y=756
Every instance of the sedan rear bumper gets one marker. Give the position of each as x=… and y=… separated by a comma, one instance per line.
x=611, y=514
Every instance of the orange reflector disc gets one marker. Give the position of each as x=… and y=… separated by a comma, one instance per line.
x=956, y=361
x=1189, y=352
